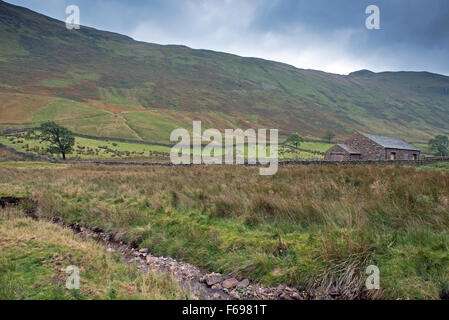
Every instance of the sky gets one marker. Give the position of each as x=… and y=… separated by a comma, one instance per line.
x=327, y=35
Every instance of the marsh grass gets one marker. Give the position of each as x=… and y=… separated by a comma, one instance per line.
x=313, y=227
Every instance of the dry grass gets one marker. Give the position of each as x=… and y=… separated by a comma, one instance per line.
x=34, y=255
x=18, y=108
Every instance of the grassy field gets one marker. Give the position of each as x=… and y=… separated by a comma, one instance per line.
x=34, y=256
x=435, y=166
x=288, y=153
x=91, y=149
x=313, y=227
x=316, y=146
x=425, y=149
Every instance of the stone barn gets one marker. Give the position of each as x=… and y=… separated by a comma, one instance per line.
x=363, y=146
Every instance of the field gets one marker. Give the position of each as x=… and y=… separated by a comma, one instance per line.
x=92, y=149
x=425, y=149
x=311, y=227
x=316, y=146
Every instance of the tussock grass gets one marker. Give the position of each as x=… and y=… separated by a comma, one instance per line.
x=35, y=254
x=314, y=227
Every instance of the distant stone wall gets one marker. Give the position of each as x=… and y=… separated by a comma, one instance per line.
x=15, y=130
x=87, y=136
x=368, y=162
x=28, y=156
x=281, y=163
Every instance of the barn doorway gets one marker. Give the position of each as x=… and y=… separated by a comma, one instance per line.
x=392, y=155
x=337, y=156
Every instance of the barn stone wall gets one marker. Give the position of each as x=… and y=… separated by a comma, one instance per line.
x=337, y=149
x=368, y=148
x=400, y=154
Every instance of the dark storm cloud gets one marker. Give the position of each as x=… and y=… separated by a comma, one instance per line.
x=322, y=34
x=416, y=23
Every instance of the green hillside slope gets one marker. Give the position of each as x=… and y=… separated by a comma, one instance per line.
x=103, y=83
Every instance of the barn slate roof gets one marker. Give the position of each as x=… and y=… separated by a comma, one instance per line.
x=348, y=148
x=390, y=143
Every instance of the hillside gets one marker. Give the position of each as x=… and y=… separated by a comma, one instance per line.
x=107, y=84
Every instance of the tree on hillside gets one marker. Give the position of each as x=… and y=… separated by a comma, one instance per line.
x=440, y=145
x=294, y=139
x=329, y=136
x=61, y=140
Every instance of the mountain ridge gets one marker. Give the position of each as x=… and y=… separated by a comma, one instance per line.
x=144, y=89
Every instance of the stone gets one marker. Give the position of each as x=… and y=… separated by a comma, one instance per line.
x=243, y=284
x=284, y=296
x=296, y=296
x=97, y=229
x=213, y=278
x=281, y=287
x=76, y=227
x=144, y=250
x=119, y=237
x=56, y=219
x=234, y=294
x=217, y=287
x=230, y=283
